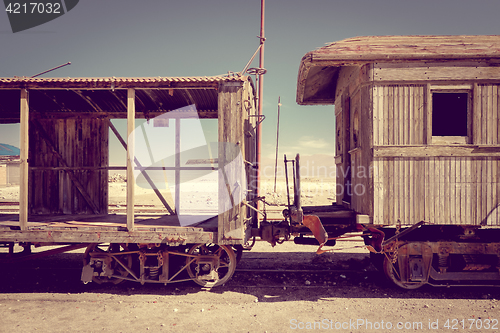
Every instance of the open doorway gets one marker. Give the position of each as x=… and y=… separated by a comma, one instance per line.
x=9, y=168
x=174, y=163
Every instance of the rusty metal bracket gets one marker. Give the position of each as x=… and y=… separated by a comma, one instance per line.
x=402, y=233
x=260, y=119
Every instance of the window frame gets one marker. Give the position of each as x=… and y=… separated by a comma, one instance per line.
x=446, y=140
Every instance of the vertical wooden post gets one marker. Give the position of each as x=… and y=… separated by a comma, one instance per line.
x=177, y=165
x=24, y=143
x=130, y=157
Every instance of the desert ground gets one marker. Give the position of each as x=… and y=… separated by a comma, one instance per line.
x=287, y=288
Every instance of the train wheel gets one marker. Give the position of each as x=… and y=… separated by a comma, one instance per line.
x=103, y=252
x=213, y=266
x=391, y=271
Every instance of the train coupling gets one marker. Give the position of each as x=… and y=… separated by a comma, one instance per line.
x=273, y=232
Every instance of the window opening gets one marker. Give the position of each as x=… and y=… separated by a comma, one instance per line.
x=449, y=113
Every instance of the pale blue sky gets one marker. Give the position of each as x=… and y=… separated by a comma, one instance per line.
x=210, y=37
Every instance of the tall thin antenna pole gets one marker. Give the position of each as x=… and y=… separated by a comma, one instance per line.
x=261, y=89
x=52, y=69
x=277, y=142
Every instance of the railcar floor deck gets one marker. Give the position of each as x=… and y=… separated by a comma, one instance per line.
x=108, y=228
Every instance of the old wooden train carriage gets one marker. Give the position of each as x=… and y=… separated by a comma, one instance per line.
x=66, y=128
x=417, y=139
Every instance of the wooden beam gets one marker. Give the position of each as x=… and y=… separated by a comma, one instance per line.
x=436, y=151
x=172, y=236
x=201, y=114
x=24, y=167
x=130, y=156
x=177, y=194
x=439, y=71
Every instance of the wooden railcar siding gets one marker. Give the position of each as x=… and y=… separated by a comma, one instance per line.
x=233, y=121
x=486, y=115
x=398, y=115
x=83, y=145
x=361, y=155
x=440, y=189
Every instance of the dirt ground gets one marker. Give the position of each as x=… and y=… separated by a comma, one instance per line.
x=287, y=288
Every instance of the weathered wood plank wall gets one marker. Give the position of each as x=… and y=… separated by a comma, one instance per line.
x=232, y=121
x=82, y=145
x=486, y=115
x=447, y=189
x=444, y=190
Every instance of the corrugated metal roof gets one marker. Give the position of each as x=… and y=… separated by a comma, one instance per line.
x=118, y=82
x=109, y=95
x=319, y=69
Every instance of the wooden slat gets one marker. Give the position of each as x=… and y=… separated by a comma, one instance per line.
x=398, y=112
x=376, y=193
x=401, y=192
x=407, y=195
x=465, y=188
x=446, y=193
x=428, y=114
x=406, y=114
x=484, y=190
x=453, y=190
x=415, y=121
x=494, y=116
x=439, y=197
x=380, y=113
x=484, y=114
x=470, y=191
x=376, y=117
x=386, y=126
x=459, y=179
x=421, y=189
x=434, y=176
x=476, y=114
x=391, y=110
x=386, y=190
x=497, y=170
x=492, y=220
x=489, y=114
x=498, y=115
x=489, y=188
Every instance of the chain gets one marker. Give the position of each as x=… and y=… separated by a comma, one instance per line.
x=395, y=255
x=396, y=250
